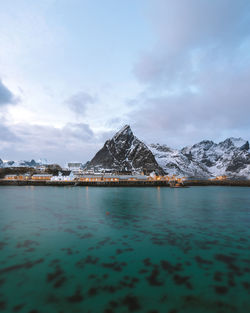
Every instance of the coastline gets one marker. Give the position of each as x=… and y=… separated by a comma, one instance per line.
x=188, y=183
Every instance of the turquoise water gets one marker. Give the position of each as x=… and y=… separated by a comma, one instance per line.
x=90, y=249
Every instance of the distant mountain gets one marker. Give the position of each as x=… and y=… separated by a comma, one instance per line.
x=230, y=157
x=174, y=162
x=43, y=162
x=125, y=152
x=32, y=163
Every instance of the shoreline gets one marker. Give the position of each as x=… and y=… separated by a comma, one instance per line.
x=189, y=183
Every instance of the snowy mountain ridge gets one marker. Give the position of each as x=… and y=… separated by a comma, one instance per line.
x=23, y=163
x=230, y=157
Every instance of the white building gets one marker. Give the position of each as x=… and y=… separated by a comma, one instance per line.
x=61, y=177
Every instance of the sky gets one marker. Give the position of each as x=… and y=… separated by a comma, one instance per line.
x=72, y=73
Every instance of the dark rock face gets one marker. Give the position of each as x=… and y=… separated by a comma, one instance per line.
x=125, y=152
x=245, y=146
x=239, y=162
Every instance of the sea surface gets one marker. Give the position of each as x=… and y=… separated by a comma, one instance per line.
x=127, y=249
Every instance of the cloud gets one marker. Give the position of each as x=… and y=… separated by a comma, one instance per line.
x=189, y=31
x=6, y=135
x=6, y=96
x=196, y=77
x=114, y=122
x=70, y=135
x=79, y=131
x=74, y=141
x=78, y=102
x=219, y=108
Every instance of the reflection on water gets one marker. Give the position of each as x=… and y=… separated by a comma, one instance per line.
x=158, y=249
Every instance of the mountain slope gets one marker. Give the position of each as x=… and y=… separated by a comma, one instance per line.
x=230, y=157
x=174, y=162
x=125, y=152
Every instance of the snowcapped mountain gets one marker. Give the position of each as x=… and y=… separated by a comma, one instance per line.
x=43, y=162
x=174, y=162
x=23, y=163
x=230, y=157
x=125, y=152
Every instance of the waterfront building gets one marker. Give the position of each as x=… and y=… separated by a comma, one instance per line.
x=112, y=178
x=136, y=177
x=91, y=178
x=222, y=177
x=17, y=177
x=12, y=177
x=61, y=177
x=41, y=177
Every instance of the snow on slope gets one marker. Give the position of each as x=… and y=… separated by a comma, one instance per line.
x=174, y=162
x=22, y=163
x=230, y=157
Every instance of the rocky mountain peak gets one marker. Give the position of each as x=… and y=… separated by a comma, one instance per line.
x=123, y=133
x=234, y=143
x=125, y=152
x=205, y=144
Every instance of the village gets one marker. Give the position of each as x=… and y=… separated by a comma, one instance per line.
x=91, y=177
x=74, y=173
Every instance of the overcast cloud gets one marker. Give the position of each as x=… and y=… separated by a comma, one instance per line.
x=78, y=102
x=197, y=75
x=75, y=141
x=177, y=71
x=6, y=96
